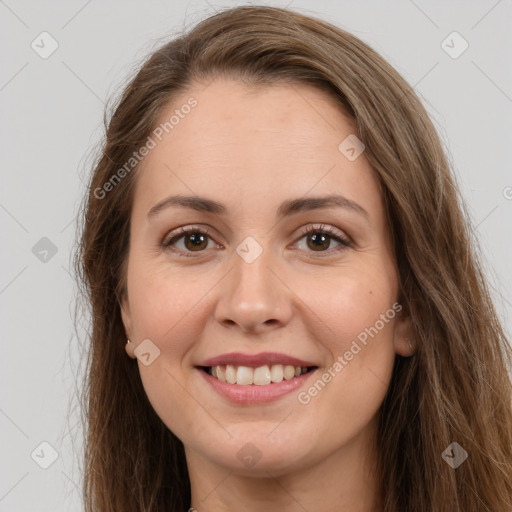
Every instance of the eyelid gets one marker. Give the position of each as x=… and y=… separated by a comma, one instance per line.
x=345, y=242
x=330, y=230
x=192, y=228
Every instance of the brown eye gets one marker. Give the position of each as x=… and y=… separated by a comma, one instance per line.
x=318, y=241
x=195, y=241
x=187, y=240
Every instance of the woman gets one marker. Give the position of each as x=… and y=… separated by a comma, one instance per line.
x=274, y=228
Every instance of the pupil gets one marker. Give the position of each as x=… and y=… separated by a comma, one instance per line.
x=196, y=239
x=318, y=237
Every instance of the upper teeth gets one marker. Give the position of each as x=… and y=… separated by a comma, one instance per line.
x=260, y=376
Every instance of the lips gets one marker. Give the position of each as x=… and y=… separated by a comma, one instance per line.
x=255, y=378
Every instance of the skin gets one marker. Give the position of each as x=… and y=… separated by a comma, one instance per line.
x=251, y=149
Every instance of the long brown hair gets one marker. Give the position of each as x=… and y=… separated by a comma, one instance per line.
x=456, y=387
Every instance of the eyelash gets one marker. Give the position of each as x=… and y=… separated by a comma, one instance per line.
x=345, y=242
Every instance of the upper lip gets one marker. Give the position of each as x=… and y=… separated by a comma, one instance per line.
x=255, y=360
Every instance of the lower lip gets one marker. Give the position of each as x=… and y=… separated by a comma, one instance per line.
x=253, y=394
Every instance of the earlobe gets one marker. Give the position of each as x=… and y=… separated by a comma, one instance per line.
x=127, y=322
x=403, y=336
x=406, y=348
x=130, y=349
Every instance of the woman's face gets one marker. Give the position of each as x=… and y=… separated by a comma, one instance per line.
x=258, y=296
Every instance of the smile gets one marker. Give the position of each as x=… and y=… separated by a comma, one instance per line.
x=255, y=378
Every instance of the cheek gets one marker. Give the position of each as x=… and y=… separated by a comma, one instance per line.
x=160, y=298
x=360, y=319
x=166, y=308
x=348, y=302
x=357, y=311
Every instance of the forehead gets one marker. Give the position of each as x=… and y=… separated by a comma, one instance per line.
x=253, y=144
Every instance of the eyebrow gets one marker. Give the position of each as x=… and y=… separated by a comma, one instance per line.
x=289, y=207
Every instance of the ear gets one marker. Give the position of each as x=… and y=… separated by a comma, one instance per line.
x=405, y=344
x=127, y=322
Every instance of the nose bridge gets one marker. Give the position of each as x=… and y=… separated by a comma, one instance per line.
x=253, y=296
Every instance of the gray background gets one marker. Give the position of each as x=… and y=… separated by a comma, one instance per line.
x=52, y=119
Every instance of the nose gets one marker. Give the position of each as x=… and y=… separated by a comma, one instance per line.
x=253, y=296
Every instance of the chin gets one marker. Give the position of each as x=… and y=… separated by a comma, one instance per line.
x=259, y=456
